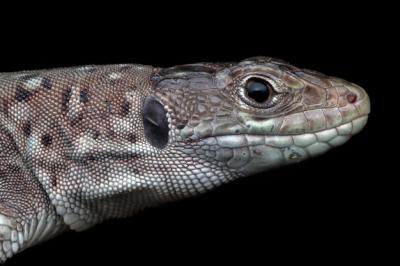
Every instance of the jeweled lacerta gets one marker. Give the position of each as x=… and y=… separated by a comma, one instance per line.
x=85, y=144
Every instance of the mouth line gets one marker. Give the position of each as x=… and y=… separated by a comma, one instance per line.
x=355, y=120
x=333, y=137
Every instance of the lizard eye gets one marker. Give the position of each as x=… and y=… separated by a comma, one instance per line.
x=259, y=92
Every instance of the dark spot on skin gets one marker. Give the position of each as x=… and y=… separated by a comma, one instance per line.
x=96, y=134
x=46, y=83
x=28, y=77
x=65, y=98
x=53, y=179
x=237, y=131
x=46, y=140
x=21, y=94
x=135, y=171
x=126, y=106
x=351, y=97
x=125, y=68
x=132, y=138
x=108, y=106
x=27, y=129
x=86, y=159
x=83, y=97
x=91, y=70
x=110, y=133
x=74, y=121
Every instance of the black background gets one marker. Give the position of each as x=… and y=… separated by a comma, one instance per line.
x=331, y=208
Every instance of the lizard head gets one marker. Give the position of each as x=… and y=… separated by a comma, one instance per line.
x=254, y=115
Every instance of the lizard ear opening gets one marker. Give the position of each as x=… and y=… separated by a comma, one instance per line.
x=155, y=123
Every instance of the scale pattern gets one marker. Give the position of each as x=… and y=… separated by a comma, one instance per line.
x=85, y=144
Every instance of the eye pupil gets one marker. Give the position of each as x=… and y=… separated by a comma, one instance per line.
x=259, y=90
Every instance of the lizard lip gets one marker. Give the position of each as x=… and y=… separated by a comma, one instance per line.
x=251, y=153
x=254, y=153
x=332, y=137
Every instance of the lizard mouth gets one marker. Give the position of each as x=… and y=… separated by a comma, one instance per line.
x=313, y=142
x=250, y=153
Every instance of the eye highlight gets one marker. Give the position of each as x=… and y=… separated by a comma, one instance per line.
x=258, y=89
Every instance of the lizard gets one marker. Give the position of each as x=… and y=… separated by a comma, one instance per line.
x=85, y=144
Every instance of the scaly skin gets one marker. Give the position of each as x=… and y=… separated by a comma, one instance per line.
x=82, y=145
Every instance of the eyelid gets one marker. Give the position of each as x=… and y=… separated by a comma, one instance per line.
x=278, y=91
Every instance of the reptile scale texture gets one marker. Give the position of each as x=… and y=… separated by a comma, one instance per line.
x=85, y=144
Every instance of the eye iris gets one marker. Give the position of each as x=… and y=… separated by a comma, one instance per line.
x=258, y=90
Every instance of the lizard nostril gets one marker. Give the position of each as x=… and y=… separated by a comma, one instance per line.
x=351, y=97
